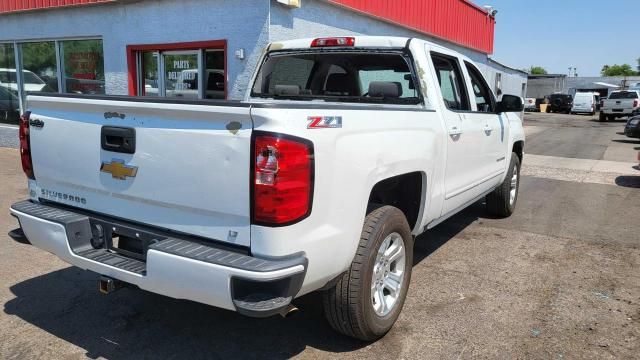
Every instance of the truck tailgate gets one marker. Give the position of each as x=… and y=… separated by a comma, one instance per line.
x=188, y=172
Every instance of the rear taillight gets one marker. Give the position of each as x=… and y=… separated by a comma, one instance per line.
x=282, y=179
x=635, y=103
x=333, y=42
x=25, y=145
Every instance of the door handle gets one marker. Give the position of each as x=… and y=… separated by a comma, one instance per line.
x=118, y=139
x=488, y=129
x=455, y=131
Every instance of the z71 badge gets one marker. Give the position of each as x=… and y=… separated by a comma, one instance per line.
x=324, y=122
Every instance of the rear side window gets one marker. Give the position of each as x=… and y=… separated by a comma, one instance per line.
x=624, y=95
x=480, y=90
x=342, y=76
x=451, y=82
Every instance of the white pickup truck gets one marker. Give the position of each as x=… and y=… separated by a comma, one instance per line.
x=343, y=151
x=619, y=104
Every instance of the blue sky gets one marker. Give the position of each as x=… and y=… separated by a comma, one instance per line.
x=555, y=34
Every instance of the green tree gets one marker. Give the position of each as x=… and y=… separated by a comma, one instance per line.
x=537, y=70
x=638, y=65
x=618, y=70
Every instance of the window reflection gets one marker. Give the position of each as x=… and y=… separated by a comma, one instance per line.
x=150, y=73
x=9, y=104
x=83, y=66
x=40, y=68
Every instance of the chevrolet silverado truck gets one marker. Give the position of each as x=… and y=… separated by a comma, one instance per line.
x=342, y=152
x=620, y=104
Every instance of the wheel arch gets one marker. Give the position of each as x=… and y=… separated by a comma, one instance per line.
x=406, y=191
x=518, y=148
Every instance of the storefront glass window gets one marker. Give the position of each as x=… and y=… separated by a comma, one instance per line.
x=181, y=74
x=214, y=71
x=40, y=70
x=83, y=66
x=189, y=73
x=9, y=104
x=150, y=73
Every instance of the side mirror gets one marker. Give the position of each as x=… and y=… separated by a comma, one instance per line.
x=510, y=103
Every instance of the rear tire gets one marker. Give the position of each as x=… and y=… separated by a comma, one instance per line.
x=502, y=201
x=350, y=306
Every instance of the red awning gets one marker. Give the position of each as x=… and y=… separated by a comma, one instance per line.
x=457, y=21
x=7, y=6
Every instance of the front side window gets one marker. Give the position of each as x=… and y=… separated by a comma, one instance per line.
x=480, y=89
x=451, y=82
x=382, y=77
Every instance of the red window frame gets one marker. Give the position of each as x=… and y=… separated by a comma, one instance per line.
x=132, y=50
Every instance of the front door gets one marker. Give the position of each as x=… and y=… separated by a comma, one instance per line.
x=494, y=130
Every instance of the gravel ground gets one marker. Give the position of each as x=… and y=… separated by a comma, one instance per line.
x=9, y=136
x=558, y=280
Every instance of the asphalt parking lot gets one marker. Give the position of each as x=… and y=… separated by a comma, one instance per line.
x=558, y=280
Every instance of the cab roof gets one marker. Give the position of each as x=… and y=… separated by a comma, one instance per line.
x=359, y=42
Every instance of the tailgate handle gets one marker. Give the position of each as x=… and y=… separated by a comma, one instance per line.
x=118, y=139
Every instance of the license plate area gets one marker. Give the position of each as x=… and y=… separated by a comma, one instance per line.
x=123, y=240
x=618, y=110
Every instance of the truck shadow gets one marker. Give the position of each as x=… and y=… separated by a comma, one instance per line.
x=133, y=324
x=431, y=240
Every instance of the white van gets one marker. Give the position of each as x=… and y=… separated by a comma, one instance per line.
x=585, y=102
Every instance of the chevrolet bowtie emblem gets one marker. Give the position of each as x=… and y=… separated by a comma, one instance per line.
x=119, y=170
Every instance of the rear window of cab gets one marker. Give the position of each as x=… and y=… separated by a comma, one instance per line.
x=342, y=76
x=624, y=95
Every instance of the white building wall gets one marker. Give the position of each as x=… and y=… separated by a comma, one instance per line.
x=244, y=23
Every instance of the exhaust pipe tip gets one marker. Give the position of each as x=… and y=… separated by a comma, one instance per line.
x=288, y=311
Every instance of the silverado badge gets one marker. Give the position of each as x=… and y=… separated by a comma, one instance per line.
x=118, y=169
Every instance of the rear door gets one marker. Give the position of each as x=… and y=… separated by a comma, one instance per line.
x=178, y=166
x=465, y=158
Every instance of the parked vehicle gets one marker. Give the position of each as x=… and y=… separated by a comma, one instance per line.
x=31, y=81
x=560, y=103
x=585, y=102
x=620, y=104
x=343, y=151
x=632, y=129
x=9, y=106
x=530, y=104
